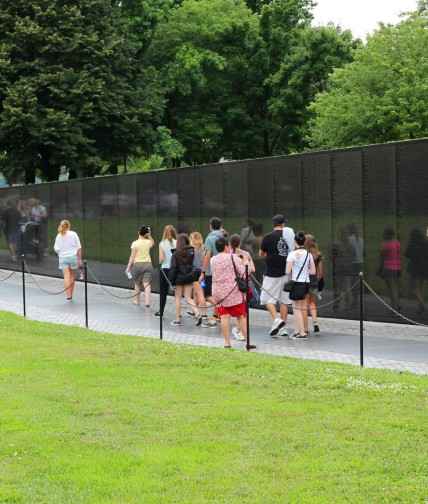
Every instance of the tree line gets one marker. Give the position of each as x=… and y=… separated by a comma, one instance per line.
x=104, y=86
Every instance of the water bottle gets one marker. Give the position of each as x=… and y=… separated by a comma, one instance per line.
x=129, y=275
x=203, y=283
x=81, y=273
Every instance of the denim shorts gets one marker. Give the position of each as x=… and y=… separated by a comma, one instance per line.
x=68, y=262
x=12, y=238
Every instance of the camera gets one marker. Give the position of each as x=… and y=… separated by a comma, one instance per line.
x=148, y=230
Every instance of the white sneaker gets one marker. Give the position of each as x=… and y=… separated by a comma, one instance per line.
x=283, y=332
x=238, y=335
x=277, y=324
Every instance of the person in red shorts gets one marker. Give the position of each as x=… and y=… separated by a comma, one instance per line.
x=231, y=301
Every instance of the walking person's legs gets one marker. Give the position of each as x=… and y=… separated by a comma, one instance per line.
x=137, y=289
x=392, y=284
x=418, y=290
x=305, y=305
x=225, y=329
x=147, y=275
x=187, y=289
x=68, y=275
x=272, y=293
x=177, y=302
x=147, y=291
x=299, y=329
x=199, y=298
x=163, y=289
x=313, y=311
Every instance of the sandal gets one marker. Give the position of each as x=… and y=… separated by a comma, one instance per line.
x=227, y=346
x=251, y=347
x=135, y=304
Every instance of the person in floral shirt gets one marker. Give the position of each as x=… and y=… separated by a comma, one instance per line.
x=231, y=301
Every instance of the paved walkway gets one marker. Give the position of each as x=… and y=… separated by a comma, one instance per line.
x=388, y=346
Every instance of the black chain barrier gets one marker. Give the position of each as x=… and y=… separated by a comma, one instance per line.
x=41, y=288
x=361, y=282
x=398, y=314
x=143, y=289
x=335, y=300
x=7, y=278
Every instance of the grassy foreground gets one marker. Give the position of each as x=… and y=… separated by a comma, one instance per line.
x=97, y=418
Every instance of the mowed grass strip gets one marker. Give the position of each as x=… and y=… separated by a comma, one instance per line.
x=100, y=418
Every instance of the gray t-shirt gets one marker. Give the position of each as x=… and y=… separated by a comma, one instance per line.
x=288, y=235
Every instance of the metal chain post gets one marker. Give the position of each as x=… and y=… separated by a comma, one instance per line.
x=86, y=293
x=361, y=319
x=23, y=284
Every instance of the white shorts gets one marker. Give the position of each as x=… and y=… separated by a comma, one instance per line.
x=272, y=290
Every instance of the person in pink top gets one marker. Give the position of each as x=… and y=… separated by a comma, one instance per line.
x=231, y=301
x=390, y=256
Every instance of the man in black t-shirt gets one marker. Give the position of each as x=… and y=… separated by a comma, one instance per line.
x=274, y=248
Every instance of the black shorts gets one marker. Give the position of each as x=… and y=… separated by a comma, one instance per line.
x=208, y=286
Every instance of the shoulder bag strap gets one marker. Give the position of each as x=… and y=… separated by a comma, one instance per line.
x=306, y=258
x=234, y=267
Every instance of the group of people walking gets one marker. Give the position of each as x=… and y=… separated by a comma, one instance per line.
x=197, y=271
x=201, y=271
x=296, y=258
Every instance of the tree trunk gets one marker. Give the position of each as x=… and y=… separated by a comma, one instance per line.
x=30, y=175
x=113, y=169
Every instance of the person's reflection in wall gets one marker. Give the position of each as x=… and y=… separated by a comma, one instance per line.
x=343, y=257
x=390, y=256
x=417, y=254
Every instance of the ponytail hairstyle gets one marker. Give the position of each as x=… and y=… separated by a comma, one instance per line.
x=197, y=242
x=143, y=230
x=300, y=238
x=311, y=246
x=182, y=244
x=235, y=242
x=63, y=227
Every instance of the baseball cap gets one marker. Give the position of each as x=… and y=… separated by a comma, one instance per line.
x=278, y=219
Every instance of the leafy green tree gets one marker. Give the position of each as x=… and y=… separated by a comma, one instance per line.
x=142, y=17
x=303, y=74
x=256, y=5
x=381, y=96
x=281, y=25
x=201, y=54
x=224, y=68
x=71, y=95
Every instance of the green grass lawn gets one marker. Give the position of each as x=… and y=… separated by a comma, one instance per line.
x=99, y=418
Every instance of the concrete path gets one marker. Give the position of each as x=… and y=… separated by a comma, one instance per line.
x=388, y=346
